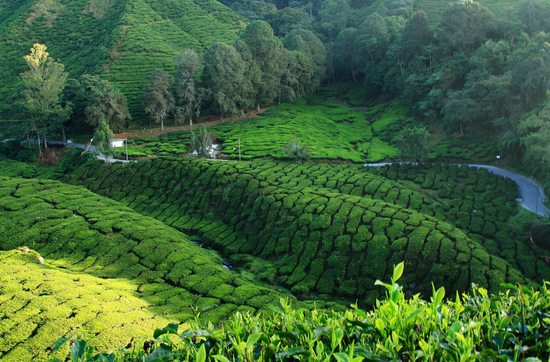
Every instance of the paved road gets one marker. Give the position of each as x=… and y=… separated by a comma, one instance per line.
x=531, y=193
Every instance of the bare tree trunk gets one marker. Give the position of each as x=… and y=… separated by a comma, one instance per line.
x=45, y=141
x=352, y=71
x=39, y=148
x=162, y=125
x=258, y=107
x=191, y=121
x=221, y=116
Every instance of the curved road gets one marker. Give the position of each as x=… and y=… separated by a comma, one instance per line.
x=530, y=192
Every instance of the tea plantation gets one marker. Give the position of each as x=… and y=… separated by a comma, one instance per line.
x=124, y=41
x=109, y=272
x=324, y=232
x=334, y=131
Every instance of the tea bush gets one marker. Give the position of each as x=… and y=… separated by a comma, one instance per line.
x=150, y=273
x=511, y=325
x=264, y=208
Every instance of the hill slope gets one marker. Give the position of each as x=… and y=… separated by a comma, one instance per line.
x=122, y=40
x=139, y=272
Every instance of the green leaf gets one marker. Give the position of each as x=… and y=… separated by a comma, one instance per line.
x=220, y=358
x=163, y=353
x=509, y=286
x=341, y=357
x=252, y=339
x=169, y=329
x=77, y=349
x=320, y=330
x=504, y=322
x=398, y=271
x=294, y=352
x=200, y=333
x=201, y=355
x=60, y=342
x=104, y=357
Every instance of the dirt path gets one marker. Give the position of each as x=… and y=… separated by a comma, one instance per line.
x=201, y=121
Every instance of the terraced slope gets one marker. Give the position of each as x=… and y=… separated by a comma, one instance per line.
x=41, y=303
x=97, y=243
x=319, y=241
x=124, y=40
x=334, y=131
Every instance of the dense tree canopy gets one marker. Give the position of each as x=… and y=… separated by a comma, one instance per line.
x=224, y=75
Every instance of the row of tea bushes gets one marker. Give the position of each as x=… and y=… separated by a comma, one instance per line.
x=468, y=327
x=477, y=186
x=41, y=303
x=466, y=148
x=334, y=132
x=84, y=233
x=320, y=241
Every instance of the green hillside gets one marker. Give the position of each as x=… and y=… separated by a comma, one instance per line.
x=307, y=221
x=125, y=273
x=122, y=40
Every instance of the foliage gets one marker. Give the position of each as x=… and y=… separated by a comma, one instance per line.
x=157, y=96
x=414, y=144
x=101, y=102
x=267, y=57
x=507, y=326
x=201, y=144
x=108, y=271
x=296, y=151
x=224, y=75
x=328, y=215
x=123, y=42
x=44, y=83
x=188, y=95
x=103, y=137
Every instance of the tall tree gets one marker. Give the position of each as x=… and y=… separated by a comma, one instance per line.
x=189, y=95
x=102, y=139
x=465, y=26
x=285, y=20
x=44, y=83
x=335, y=16
x=416, y=35
x=202, y=143
x=224, y=76
x=298, y=77
x=267, y=52
x=101, y=102
x=415, y=144
x=534, y=16
x=157, y=96
x=308, y=43
x=344, y=51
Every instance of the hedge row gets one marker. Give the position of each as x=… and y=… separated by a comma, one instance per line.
x=41, y=303
x=321, y=242
x=83, y=233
